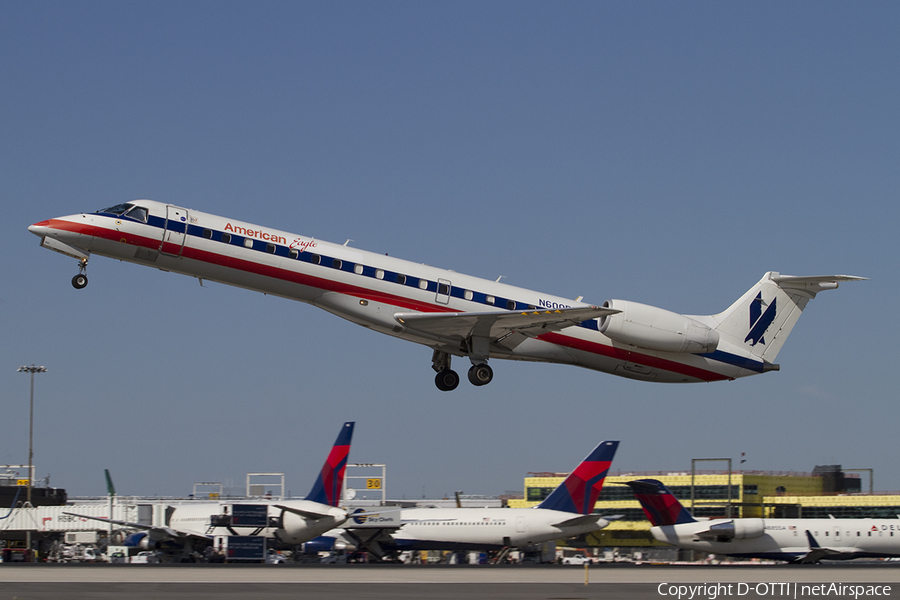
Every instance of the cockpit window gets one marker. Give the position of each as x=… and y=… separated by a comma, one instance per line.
x=118, y=209
x=138, y=213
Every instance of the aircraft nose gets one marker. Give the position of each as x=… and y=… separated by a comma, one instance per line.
x=39, y=228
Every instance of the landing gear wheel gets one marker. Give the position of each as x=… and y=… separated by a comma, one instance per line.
x=79, y=281
x=446, y=380
x=481, y=374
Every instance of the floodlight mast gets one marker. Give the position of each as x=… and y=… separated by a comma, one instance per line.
x=32, y=370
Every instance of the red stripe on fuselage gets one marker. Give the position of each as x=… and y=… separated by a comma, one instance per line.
x=330, y=285
x=635, y=357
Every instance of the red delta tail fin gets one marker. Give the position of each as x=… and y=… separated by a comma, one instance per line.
x=330, y=483
x=580, y=490
x=659, y=504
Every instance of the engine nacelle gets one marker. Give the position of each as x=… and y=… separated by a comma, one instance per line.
x=739, y=529
x=325, y=544
x=656, y=329
x=139, y=540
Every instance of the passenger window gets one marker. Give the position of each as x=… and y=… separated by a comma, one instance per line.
x=226, y=237
x=315, y=259
x=401, y=279
x=489, y=300
x=358, y=269
x=248, y=242
x=337, y=264
x=379, y=274
x=510, y=304
x=207, y=233
x=444, y=289
x=294, y=253
x=423, y=284
x=467, y=294
x=270, y=248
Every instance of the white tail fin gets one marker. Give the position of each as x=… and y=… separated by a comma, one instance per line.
x=762, y=319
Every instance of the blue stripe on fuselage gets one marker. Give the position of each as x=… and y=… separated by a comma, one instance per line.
x=392, y=277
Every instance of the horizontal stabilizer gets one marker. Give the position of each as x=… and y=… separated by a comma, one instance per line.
x=306, y=514
x=583, y=520
x=790, y=280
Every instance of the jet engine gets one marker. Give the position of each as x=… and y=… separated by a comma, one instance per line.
x=326, y=544
x=656, y=329
x=738, y=529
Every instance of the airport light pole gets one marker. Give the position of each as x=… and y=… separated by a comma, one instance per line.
x=32, y=369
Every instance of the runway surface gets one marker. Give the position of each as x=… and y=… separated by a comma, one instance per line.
x=377, y=582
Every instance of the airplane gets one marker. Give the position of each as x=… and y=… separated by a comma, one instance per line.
x=791, y=540
x=287, y=522
x=451, y=313
x=566, y=512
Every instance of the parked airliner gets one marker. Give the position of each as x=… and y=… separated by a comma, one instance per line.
x=793, y=540
x=453, y=314
x=566, y=512
x=194, y=525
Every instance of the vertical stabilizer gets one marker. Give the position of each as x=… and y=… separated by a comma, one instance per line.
x=762, y=318
x=328, y=486
x=659, y=504
x=580, y=490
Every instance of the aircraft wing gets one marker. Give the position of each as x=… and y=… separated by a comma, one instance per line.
x=157, y=532
x=495, y=325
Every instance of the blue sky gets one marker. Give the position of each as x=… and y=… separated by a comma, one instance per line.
x=668, y=153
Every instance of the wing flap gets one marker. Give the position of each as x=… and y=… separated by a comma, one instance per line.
x=496, y=324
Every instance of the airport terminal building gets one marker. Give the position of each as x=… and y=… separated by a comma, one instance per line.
x=827, y=491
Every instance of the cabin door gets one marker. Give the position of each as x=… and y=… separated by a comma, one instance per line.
x=174, y=233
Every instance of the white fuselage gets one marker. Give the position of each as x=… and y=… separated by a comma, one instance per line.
x=484, y=528
x=369, y=288
x=787, y=539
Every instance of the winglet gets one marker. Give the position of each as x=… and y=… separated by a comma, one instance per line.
x=328, y=486
x=580, y=490
x=812, y=541
x=659, y=504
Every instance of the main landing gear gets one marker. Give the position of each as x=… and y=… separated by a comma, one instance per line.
x=80, y=280
x=447, y=379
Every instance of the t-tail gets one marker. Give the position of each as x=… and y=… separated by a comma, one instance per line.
x=580, y=490
x=659, y=504
x=761, y=320
x=328, y=486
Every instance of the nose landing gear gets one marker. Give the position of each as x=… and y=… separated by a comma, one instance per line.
x=80, y=280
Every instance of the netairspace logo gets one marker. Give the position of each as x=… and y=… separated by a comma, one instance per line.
x=711, y=591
